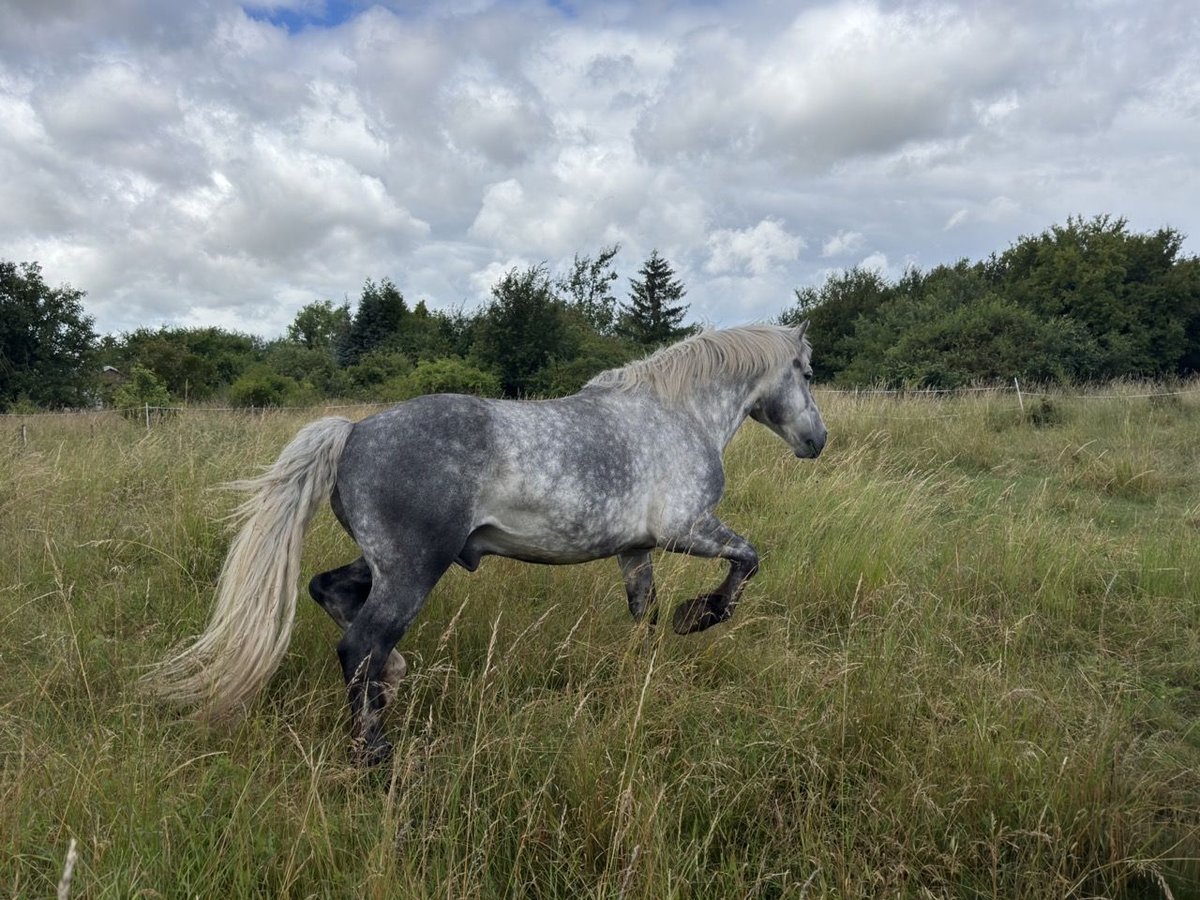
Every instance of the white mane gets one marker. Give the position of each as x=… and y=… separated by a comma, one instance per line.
x=744, y=352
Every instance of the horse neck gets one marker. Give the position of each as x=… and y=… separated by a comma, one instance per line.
x=722, y=406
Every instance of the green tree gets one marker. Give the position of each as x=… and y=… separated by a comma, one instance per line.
x=522, y=330
x=143, y=388
x=865, y=352
x=989, y=340
x=375, y=369
x=185, y=373
x=1131, y=292
x=46, y=341
x=318, y=325
x=592, y=353
x=587, y=288
x=313, y=369
x=378, y=319
x=230, y=352
x=1184, y=283
x=833, y=311
x=194, y=363
x=425, y=334
x=654, y=314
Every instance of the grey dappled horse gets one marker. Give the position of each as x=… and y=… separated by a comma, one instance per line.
x=630, y=463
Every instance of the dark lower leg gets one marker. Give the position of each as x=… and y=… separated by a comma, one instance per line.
x=364, y=660
x=342, y=592
x=708, y=610
x=638, y=573
x=712, y=538
x=365, y=650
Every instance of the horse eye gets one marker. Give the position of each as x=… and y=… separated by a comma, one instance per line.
x=796, y=364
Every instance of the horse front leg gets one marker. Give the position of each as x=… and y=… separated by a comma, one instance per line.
x=711, y=538
x=638, y=572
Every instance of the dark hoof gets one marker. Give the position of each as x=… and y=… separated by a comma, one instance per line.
x=373, y=755
x=700, y=613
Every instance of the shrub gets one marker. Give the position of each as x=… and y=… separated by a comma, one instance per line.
x=143, y=389
x=447, y=375
x=375, y=369
x=260, y=386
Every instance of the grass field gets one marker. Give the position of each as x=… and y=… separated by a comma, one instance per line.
x=969, y=667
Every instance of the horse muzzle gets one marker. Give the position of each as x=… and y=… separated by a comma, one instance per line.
x=812, y=447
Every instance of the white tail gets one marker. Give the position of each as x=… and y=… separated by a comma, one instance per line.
x=256, y=594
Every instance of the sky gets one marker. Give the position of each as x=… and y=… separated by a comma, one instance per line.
x=224, y=163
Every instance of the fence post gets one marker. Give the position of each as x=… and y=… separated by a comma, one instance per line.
x=1020, y=400
x=147, y=416
x=24, y=435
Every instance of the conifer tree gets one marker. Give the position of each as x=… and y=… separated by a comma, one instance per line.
x=379, y=318
x=654, y=314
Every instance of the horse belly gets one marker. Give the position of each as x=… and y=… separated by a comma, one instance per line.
x=552, y=539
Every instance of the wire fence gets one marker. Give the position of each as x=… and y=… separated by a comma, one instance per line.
x=1064, y=393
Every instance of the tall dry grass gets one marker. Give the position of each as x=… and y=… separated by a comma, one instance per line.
x=969, y=667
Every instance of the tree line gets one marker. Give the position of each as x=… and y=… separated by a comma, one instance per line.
x=1082, y=302
x=538, y=335
x=1085, y=301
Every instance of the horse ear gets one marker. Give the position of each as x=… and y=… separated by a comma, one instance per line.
x=800, y=329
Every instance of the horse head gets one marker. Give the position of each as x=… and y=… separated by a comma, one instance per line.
x=785, y=402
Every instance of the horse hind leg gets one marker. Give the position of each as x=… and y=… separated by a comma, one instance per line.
x=399, y=587
x=341, y=592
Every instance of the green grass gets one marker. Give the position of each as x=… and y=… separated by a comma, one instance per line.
x=969, y=667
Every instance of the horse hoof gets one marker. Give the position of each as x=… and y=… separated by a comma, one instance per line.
x=699, y=613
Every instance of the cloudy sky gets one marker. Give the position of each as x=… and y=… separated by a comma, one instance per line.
x=216, y=162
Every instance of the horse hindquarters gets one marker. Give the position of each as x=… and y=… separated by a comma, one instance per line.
x=405, y=497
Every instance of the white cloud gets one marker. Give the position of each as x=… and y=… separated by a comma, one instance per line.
x=190, y=163
x=876, y=262
x=840, y=80
x=483, y=279
x=842, y=243
x=111, y=102
x=489, y=118
x=756, y=250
